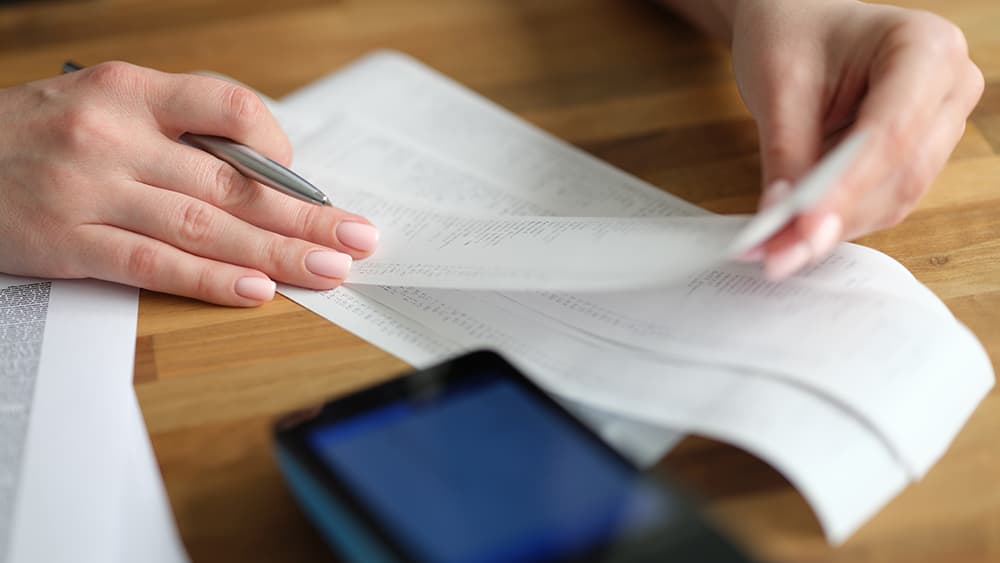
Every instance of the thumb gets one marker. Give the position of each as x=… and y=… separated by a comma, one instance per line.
x=791, y=142
x=791, y=137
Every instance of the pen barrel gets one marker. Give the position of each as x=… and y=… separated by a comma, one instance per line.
x=257, y=167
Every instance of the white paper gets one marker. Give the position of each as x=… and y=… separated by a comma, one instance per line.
x=424, y=247
x=23, y=314
x=83, y=458
x=880, y=356
x=147, y=531
x=847, y=475
x=852, y=267
x=390, y=127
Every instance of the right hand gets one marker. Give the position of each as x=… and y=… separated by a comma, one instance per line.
x=812, y=72
x=93, y=183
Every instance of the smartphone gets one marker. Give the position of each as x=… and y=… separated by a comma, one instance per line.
x=469, y=461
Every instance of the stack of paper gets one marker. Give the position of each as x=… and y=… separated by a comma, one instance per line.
x=852, y=378
x=78, y=480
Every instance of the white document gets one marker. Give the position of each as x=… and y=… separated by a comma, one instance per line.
x=83, y=485
x=879, y=356
x=847, y=475
x=424, y=247
x=429, y=247
x=392, y=128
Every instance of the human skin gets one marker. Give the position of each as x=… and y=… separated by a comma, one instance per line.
x=94, y=183
x=813, y=71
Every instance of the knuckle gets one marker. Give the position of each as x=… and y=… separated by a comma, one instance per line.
x=204, y=283
x=795, y=76
x=940, y=36
x=241, y=105
x=898, y=140
x=195, y=222
x=80, y=127
x=113, y=75
x=977, y=81
x=790, y=80
x=317, y=222
x=274, y=253
x=308, y=215
x=916, y=182
x=229, y=187
x=143, y=262
x=951, y=41
x=778, y=150
x=784, y=154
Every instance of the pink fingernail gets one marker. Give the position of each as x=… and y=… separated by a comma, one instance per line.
x=786, y=262
x=359, y=236
x=826, y=235
x=755, y=254
x=329, y=264
x=258, y=289
x=774, y=193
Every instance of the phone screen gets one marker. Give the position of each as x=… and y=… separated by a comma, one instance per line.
x=485, y=470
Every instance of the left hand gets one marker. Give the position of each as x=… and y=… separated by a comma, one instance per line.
x=811, y=72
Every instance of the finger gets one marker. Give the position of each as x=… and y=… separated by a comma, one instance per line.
x=911, y=78
x=202, y=229
x=791, y=131
x=773, y=193
x=182, y=103
x=195, y=173
x=791, y=249
x=778, y=190
x=113, y=254
x=900, y=112
x=887, y=202
x=812, y=236
x=186, y=103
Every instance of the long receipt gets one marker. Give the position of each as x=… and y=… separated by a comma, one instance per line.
x=429, y=248
x=623, y=303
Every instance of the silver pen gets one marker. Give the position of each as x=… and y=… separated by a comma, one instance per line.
x=248, y=162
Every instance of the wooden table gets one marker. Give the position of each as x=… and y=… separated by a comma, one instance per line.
x=621, y=80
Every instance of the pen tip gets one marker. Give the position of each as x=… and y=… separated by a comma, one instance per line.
x=326, y=202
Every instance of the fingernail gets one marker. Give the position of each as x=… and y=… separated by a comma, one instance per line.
x=258, y=289
x=774, y=193
x=826, y=235
x=329, y=264
x=755, y=254
x=359, y=236
x=786, y=262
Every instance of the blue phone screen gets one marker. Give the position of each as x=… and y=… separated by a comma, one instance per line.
x=486, y=472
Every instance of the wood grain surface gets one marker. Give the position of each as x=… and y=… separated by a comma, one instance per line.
x=624, y=81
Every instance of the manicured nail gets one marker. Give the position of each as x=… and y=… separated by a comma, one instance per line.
x=826, y=235
x=786, y=262
x=755, y=254
x=359, y=236
x=329, y=264
x=258, y=289
x=774, y=193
